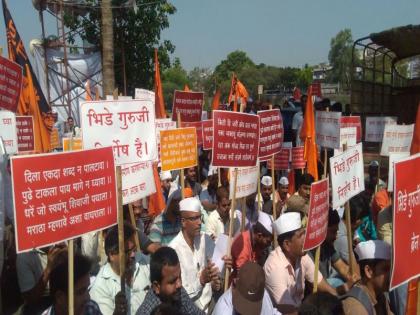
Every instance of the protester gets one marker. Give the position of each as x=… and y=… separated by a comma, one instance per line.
x=372, y=177
x=165, y=278
x=106, y=288
x=166, y=309
x=251, y=210
x=298, y=121
x=141, y=215
x=71, y=129
x=287, y=267
x=304, y=189
x=166, y=183
x=208, y=195
x=191, y=180
x=282, y=194
x=321, y=303
x=266, y=194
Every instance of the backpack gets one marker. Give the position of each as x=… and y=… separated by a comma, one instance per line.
x=360, y=295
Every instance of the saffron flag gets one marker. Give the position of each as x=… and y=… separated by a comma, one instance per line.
x=237, y=90
x=307, y=135
x=159, y=102
x=415, y=143
x=156, y=201
x=216, y=100
x=32, y=101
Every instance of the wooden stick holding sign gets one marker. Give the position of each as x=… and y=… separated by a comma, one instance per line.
x=121, y=230
x=70, y=257
x=181, y=173
x=243, y=208
x=274, y=199
x=134, y=224
x=258, y=187
x=348, y=228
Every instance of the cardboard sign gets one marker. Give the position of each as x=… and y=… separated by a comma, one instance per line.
x=143, y=94
x=178, y=148
x=316, y=230
x=10, y=84
x=60, y=196
x=198, y=125
x=347, y=175
x=77, y=144
x=25, y=133
x=54, y=139
x=246, y=182
x=271, y=132
x=298, y=161
x=375, y=127
x=208, y=134
x=137, y=181
x=8, y=131
x=397, y=139
x=235, y=139
x=128, y=126
x=352, y=121
x=328, y=129
x=406, y=221
x=394, y=157
x=348, y=136
x=189, y=105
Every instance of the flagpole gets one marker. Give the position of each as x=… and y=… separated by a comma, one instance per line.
x=44, y=46
x=181, y=173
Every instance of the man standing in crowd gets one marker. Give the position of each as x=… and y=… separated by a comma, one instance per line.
x=282, y=194
x=266, y=196
x=304, y=189
x=191, y=181
x=298, y=121
x=166, y=183
x=208, y=195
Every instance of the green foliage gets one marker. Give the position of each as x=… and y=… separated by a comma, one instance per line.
x=340, y=56
x=173, y=78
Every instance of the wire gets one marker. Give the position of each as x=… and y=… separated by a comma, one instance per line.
x=98, y=6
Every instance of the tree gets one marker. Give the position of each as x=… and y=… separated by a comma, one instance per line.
x=173, y=78
x=340, y=57
x=107, y=48
x=235, y=62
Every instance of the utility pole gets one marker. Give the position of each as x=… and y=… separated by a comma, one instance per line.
x=107, y=48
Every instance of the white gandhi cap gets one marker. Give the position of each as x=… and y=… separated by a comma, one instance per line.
x=287, y=222
x=266, y=221
x=373, y=250
x=266, y=181
x=190, y=204
x=284, y=181
x=212, y=170
x=165, y=175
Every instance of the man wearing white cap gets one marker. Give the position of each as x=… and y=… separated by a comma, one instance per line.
x=166, y=183
x=194, y=248
x=266, y=193
x=287, y=267
x=282, y=194
x=368, y=297
x=208, y=195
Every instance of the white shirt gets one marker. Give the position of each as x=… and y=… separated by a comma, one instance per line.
x=297, y=125
x=192, y=264
x=216, y=227
x=107, y=285
x=224, y=305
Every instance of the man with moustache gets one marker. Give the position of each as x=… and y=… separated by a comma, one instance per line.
x=191, y=180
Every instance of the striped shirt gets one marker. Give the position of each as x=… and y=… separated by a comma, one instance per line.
x=163, y=230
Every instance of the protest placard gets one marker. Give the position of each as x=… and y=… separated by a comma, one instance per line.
x=10, y=84
x=298, y=161
x=316, y=229
x=178, y=148
x=328, y=129
x=352, y=121
x=198, y=125
x=128, y=126
x=208, y=134
x=163, y=124
x=235, y=139
x=281, y=160
x=348, y=136
x=347, y=175
x=143, y=94
x=316, y=89
x=271, y=132
x=397, y=139
x=137, y=181
x=25, y=133
x=394, y=157
x=76, y=144
x=188, y=104
x=8, y=131
x=246, y=183
x=406, y=221
x=374, y=129
x=54, y=139
x=60, y=196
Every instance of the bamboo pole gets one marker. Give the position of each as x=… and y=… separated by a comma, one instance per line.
x=181, y=175
x=134, y=223
x=274, y=199
x=258, y=188
x=121, y=230
x=317, y=254
x=348, y=228
x=71, y=277
x=243, y=210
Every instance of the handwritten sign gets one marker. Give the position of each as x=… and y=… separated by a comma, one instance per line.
x=375, y=126
x=137, y=181
x=76, y=144
x=25, y=133
x=10, y=84
x=143, y=94
x=271, y=132
x=347, y=177
x=188, y=104
x=60, y=196
x=246, y=183
x=8, y=131
x=328, y=129
x=352, y=121
x=128, y=126
x=235, y=139
x=198, y=125
x=316, y=230
x=397, y=139
x=406, y=221
x=178, y=148
x=208, y=134
x=348, y=136
x=298, y=161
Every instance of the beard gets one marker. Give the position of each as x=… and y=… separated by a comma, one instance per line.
x=174, y=299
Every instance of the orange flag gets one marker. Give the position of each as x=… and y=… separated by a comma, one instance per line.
x=88, y=93
x=159, y=102
x=216, y=100
x=237, y=89
x=291, y=178
x=307, y=135
x=156, y=201
x=187, y=88
x=415, y=144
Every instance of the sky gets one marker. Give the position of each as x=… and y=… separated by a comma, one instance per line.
x=274, y=32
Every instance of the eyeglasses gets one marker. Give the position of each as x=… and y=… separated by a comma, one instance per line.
x=193, y=219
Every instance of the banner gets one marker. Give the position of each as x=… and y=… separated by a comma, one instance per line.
x=8, y=131
x=298, y=161
x=406, y=221
x=143, y=94
x=348, y=136
x=164, y=124
x=347, y=175
x=316, y=229
x=271, y=132
x=178, y=148
x=137, y=181
x=328, y=129
x=25, y=133
x=198, y=125
x=10, y=84
x=208, y=134
x=246, y=182
x=128, y=126
x=394, y=157
x=397, y=139
x=235, y=139
x=352, y=121
x=60, y=196
x=189, y=105
x=76, y=145
x=375, y=127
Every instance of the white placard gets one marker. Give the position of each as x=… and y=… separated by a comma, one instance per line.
x=397, y=139
x=220, y=250
x=143, y=94
x=374, y=130
x=137, y=181
x=347, y=176
x=328, y=129
x=394, y=157
x=246, y=183
x=128, y=126
x=348, y=136
x=8, y=131
x=164, y=124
